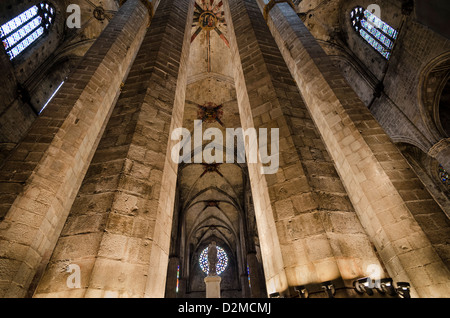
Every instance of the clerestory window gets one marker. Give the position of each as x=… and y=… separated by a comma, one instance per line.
x=374, y=31
x=19, y=33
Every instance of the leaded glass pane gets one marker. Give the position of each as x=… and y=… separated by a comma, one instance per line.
x=377, y=33
x=443, y=175
x=222, y=261
x=20, y=32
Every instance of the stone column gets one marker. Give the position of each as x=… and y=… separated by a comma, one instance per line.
x=243, y=278
x=256, y=279
x=391, y=202
x=303, y=214
x=39, y=181
x=182, y=287
x=118, y=230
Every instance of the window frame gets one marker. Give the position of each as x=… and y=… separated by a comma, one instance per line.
x=374, y=31
x=27, y=28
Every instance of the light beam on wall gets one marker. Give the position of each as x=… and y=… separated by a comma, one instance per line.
x=51, y=97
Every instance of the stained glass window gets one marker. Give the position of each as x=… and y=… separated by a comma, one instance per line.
x=443, y=175
x=222, y=261
x=20, y=32
x=248, y=274
x=178, y=278
x=374, y=31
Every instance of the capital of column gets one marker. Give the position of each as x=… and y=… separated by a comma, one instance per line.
x=439, y=147
x=272, y=3
x=148, y=4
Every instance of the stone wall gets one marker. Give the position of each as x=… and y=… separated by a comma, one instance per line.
x=303, y=210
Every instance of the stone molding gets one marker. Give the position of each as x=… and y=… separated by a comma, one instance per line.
x=439, y=147
x=272, y=3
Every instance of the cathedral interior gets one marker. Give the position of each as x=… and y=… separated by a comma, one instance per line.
x=92, y=203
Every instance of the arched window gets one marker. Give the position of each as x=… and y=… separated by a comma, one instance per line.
x=20, y=32
x=377, y=33
x=222, y=261
x=443, y=175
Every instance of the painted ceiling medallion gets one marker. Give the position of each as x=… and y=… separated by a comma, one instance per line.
x=207, y=21
x=210, y=113
x=208, y=16
x=212, y=203
x=211, y=167
x=99, y=13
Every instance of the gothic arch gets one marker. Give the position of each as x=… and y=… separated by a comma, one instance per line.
x=342, y=189
x=359, y=78
x=43, y=84
x=433, y=86
x=426, y=169
x=351, y=65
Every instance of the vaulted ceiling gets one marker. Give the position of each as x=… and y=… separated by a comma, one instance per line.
x=212, y=197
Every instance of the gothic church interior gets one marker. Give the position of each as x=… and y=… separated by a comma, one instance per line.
x=92, y=203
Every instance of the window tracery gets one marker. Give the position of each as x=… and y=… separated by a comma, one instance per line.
x=374, y=31
x=20, y=32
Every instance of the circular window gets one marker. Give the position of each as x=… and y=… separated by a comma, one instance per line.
x=222, y=260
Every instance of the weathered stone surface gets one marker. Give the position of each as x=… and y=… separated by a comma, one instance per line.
x=343, y=199
x=127, y=195
x=45, y=170
x=364, y=156
x=291, y=211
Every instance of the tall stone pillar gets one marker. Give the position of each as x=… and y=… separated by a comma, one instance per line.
x=243, y=278
x=118, y=231
x=256, y=279
x=40, y=179
x=392, y=204
x=303, y=214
